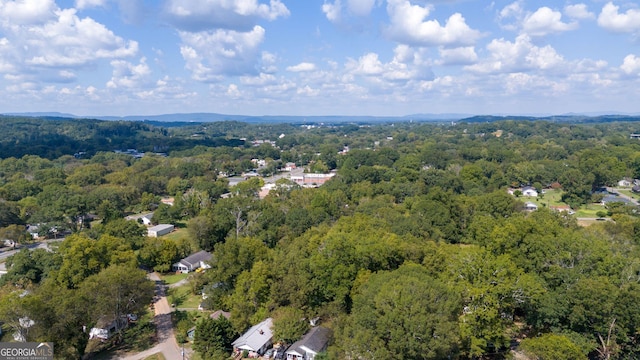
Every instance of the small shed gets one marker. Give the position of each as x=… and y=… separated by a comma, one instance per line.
x=159, y=230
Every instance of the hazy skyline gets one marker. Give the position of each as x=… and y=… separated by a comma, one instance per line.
x=312, y=57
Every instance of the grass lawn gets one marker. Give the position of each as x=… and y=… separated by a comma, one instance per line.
x=183, y=298
x=589, y=211
x=629, y=193
x=549, y=198
x=157, y=356
x=173, y=278
x=177, y=234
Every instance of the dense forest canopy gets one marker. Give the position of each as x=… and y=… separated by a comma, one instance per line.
x=413, y=250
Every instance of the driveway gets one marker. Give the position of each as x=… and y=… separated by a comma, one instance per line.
x=167, y=344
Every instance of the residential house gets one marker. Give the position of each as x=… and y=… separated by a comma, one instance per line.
x=159, y=230
x=626, y=182
x=144, y=218
x=312, y=343
x=562, y=208
x=290, y=166
x=219, y=313
x=529, y=191
x=193, y=262
x=255, y=340
x=529, y=206
x=105, y=328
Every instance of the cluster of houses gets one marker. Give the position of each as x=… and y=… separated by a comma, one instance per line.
x=258, y=341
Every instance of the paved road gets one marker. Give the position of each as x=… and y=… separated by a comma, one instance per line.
x=167, y=344
x=617, y=191
x=36, y=245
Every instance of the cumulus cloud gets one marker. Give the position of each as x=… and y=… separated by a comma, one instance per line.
x=302, y=67
x=518, y=56
x=237, y=15
x=26, y=12
x=613, y=20
x=631, y=65
x=458, y=56
x=511, y=15
x=83, y=4
x=128, y=75
x=209, y=55
x=578, y=11
x=406, y=65
x=545, y=21
x=45, y=43
x=334, y=11
x=408, y=26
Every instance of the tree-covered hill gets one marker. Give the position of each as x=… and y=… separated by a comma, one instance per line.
x=51, y=137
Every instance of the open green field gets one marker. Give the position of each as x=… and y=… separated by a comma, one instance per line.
x=183, y=298
x=177, y=235
x=173, y=278
x=549, y=198
x=554, y=198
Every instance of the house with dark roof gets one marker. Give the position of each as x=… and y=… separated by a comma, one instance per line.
x=313, y=342
x=193, y=262
x=255, y=340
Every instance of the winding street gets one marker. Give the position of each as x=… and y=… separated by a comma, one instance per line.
x=167, y=344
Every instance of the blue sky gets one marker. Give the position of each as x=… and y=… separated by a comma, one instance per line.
x=319, y=57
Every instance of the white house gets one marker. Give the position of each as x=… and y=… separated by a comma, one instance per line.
x=159, y=230
x=529, y=206
x=193, y=262
x=313, y=342
x=256, y=340
x=529, y=191
x=625, y=182
x=145, y=218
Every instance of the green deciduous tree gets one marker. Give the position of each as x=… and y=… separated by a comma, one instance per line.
x=403, y=314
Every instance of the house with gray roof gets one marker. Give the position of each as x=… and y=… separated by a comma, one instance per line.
x=255, y=340
x=312, y=343
x=193, y=262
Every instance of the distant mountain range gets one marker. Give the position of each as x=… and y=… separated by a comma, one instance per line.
x=211, y=117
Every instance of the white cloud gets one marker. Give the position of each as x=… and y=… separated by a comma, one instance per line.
x=408, y=26
x=513, y=11
x=302, y=67
x=261, y=80
x=545, y=21
x=406, y=65
x=238, y=15
x=128, y=75
x=360, y=7
x=458, y=56
x=26, y=12
x=332, y=10
x=519, y=56
x=71, y=41
x=578, y=11
x=612, y=20
x=368, y=64
x=84, y=4
x=43, y=43
x=209, y=55
x=631, y=65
